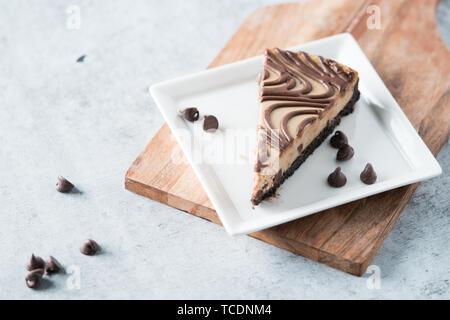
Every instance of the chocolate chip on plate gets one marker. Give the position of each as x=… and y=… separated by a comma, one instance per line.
x=89, y=247
x=35, y=263
x=33, y=279
x=345, y=152
x=63, y=185
x=210, y=123
x=368, y=175
x=190, y=114
x=338, y=139
x=337, y=179
x=52, y=265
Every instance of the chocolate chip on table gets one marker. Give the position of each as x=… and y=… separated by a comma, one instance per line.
x=338, y=139
x=52, y=265
x=345, y=152
x=210, y=123
x=35, y=263
x=81, y=59
x=368, y=175
x=337, y=179
x=190, y=114
x=33, y=279
x=63, y=185
x=89, y=247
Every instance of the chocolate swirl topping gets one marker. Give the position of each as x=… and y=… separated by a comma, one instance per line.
x=288, y=82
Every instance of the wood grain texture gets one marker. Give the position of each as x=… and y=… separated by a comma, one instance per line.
x=411, y=58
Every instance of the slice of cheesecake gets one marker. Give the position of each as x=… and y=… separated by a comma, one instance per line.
x=302, y=98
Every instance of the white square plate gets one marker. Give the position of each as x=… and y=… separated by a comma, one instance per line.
x=378, y=130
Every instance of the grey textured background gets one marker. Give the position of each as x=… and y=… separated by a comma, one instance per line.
x=89, y=121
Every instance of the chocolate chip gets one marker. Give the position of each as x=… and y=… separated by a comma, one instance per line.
x=52, y=265
x=33, y=279
x=338, y=139
x=210, y=123
x=337, y=179
x=81, y=59
x=63, y=185
x=190, y=114
x=89, y=247
x=368, y=175
x=35, y=263
x=345, y=152
x=300, y=148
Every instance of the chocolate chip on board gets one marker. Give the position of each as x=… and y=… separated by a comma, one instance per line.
x=35, y=263
x=89, y=247
x=338, y=139
x=210, y=123
x=34, y=278
x=368, y=175
x=63, y=185
x=345, y=152
x=337, y=179
x=190, y=114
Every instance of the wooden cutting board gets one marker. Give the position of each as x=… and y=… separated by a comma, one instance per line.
x=411, y=58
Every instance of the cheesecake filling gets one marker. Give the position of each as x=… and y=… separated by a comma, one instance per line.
x=300, y=95
x=278, y=162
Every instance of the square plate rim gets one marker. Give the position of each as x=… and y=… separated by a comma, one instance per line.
x=245, y=227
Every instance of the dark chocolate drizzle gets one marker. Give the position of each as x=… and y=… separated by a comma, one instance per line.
x=292, y=69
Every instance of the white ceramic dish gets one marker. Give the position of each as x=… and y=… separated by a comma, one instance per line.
x=378, y=130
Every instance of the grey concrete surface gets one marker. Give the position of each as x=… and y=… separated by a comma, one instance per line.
x=89, y=121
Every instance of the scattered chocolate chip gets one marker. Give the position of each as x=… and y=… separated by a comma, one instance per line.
x=190, y=114
x=210, y=123
x=63, y=185
x=368, y=175
x=337, y=179
x=89, y=247
x=35, y=263
x=300, y=148
x=338, y=139
x=345, y=152
x=33, y=279
x=81, y=59
x=52, y=265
